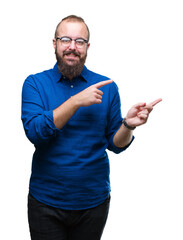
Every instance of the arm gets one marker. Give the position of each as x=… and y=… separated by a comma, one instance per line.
x=37, y=121
x=64, y=112
x=136, y=116
x=89, y=96
x=122, y=137
x=40, y=125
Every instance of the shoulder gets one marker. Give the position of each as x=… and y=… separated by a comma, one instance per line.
x=41, y=75
x=41, y=78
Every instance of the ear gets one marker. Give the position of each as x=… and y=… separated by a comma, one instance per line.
x=88, y=46
x=54, y=43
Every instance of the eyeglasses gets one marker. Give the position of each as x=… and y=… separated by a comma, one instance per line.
x=66, y=41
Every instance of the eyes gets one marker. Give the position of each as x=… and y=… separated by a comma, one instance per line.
x=66, y=41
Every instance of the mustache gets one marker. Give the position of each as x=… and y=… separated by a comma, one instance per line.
x=73, y=52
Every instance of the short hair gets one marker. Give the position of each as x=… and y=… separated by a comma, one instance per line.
x=73, y=18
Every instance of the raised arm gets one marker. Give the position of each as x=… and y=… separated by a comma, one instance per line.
x=136, y=116
x=89, y=96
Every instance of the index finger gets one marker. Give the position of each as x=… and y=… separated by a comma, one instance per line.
x=103, y=83
x=155, y=102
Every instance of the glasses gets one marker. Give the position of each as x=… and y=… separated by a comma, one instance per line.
x=66, y=41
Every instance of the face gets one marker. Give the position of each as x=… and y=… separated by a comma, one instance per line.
x=71, y=59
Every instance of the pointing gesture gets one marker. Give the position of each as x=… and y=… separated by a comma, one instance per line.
x=155, y=102
x=139, y=113
x=103, y=83
x=91, y=95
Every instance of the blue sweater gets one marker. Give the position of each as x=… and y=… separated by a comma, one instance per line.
x=70, y=167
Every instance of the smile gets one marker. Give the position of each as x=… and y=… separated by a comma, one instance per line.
x=72, y=54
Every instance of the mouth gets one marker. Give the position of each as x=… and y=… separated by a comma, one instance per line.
x=71, y=55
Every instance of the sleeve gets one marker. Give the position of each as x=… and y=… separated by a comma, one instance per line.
x=38, y=123
x=114, y=119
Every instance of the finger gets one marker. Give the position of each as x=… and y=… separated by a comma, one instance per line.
x=99, y=92
x=98, y=96
x=143, y=116
x=144, y=111
x=98, y=101
x=103, y=83
x=140, y=105
x=148, y=107
x=155, y=102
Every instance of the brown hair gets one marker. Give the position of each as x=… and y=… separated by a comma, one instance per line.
x=73, y=18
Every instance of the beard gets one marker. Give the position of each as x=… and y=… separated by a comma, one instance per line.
x=67, y=70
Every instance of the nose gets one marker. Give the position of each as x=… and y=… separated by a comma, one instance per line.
x=72, y=45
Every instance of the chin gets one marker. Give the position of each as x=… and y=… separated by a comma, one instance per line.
x=71, y=62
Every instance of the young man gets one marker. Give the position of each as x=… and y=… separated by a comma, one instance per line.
x=72, y=115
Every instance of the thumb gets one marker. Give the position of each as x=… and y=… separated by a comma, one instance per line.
x=140, y=105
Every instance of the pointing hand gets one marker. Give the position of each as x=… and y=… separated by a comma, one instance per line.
x=91, y=95
x=139, y=113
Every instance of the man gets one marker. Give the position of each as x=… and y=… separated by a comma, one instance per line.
x=72, y=115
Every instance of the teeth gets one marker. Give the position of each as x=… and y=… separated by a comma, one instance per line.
x=71, y=54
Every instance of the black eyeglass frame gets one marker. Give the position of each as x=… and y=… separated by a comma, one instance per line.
x=72, y=39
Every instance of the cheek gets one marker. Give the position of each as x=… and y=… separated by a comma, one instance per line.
x=83, y=52
x=59, y=50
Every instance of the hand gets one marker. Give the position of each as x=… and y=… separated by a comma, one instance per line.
x=91, y=95
x=139, y=113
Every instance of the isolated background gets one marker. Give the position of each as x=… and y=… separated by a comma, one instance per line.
x=139, y=44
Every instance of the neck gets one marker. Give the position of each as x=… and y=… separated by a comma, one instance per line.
x=70, y=78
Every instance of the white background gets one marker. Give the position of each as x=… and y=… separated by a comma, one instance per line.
x=139, y=44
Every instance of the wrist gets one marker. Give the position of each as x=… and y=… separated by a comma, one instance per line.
x=75, y=102
x=125, y=122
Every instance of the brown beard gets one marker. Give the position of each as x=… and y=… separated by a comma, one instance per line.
x=70, y=71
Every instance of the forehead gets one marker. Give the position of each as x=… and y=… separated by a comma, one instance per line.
x=72, y=29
